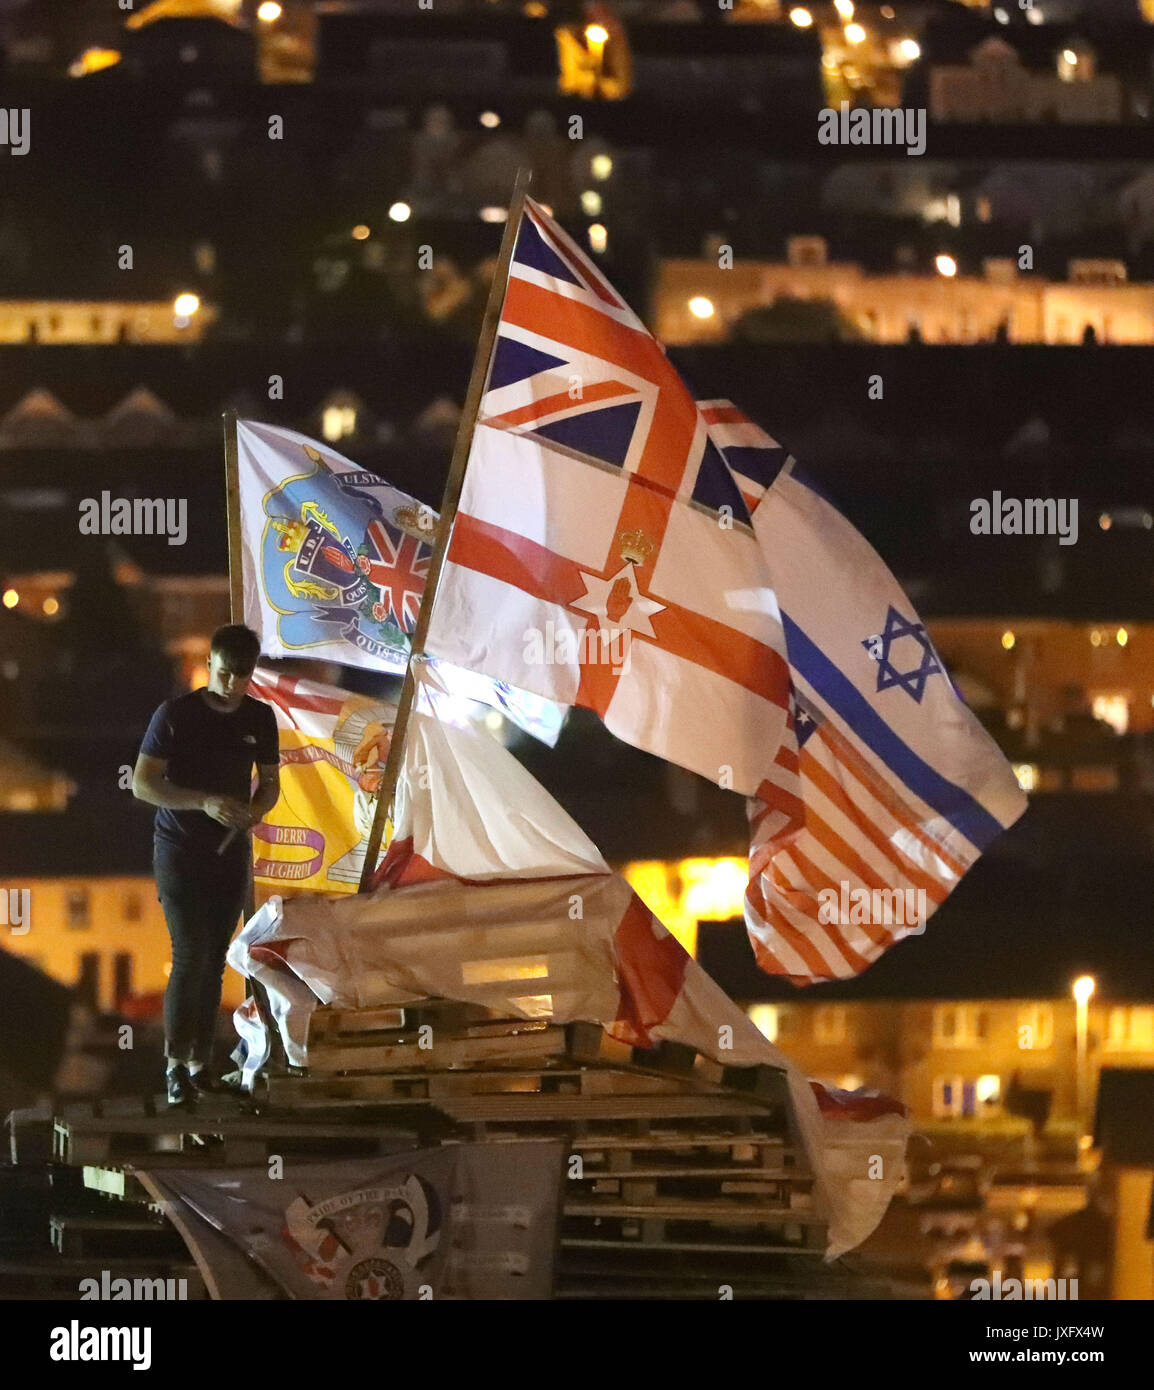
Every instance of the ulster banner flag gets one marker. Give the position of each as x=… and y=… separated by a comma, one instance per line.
x=602, y=554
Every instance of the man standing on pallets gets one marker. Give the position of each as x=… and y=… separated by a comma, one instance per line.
x=195, y=765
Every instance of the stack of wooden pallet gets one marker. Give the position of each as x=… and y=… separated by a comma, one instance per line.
x=684, y=1178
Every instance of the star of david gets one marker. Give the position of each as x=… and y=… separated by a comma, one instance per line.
x=631, y=609
x=913, y=682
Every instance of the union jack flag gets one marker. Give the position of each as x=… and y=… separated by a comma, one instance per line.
x=750, y=454
x=397, y=564
x=574, y=366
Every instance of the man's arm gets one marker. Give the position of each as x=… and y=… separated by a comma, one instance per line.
x=150, y=783
x=267, y=792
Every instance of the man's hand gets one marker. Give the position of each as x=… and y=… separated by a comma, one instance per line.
x=228, y=811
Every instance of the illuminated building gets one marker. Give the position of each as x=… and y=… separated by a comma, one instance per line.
x=101, y=322
x=941, y=308
x=994, y=86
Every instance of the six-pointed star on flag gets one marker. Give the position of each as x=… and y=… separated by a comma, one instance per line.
x=618, y=602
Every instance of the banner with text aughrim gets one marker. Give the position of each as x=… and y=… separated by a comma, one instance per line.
x=332, y=746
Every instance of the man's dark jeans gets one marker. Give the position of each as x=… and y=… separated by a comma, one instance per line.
x=203, y=897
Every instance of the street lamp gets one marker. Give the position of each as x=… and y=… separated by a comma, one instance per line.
x=1082, y=990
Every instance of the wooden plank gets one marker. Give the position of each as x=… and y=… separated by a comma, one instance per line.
x=229, y=1126
x=778, y=1175
x=372, y=1056
x=711, y=1247
x=331, y=1023
x=690, y=1209
x=540, y=1108
x=663, y=1139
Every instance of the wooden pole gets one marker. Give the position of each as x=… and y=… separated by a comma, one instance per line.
x=478, y=381
x=232, y=504
x=236, y=596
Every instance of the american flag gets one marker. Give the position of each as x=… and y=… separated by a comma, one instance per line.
x=591, y=509
x=885, y=783
x=397, y=565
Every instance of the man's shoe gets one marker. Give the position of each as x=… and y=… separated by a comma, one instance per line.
x=181, y=1090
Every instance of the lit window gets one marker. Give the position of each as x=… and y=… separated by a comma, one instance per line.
x=1113, y=710
x=1035, y=1027
x=701, y=307
x=601, y=166
x=764, y=1019
x=591, y=203
x=1130, y=1028
x=598, y=237
x=338, y=421
x=959, y=1025
x=947, y=1096
x=989, y=1090
x=829, y=1024
x=1027, y=775
x=1142, y=1029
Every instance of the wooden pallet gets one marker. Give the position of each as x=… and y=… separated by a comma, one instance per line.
x=683, y=1174
x=86, y=1237
x=221, y=1138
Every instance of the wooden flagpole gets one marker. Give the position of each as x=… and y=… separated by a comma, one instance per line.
x=236, y=595
x=449, y=502
x=232, y=503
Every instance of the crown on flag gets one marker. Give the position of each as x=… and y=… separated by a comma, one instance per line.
x=416, y=521
x=634, y=546
x=292, y=532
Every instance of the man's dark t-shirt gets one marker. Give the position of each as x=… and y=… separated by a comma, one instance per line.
x=212, y=752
